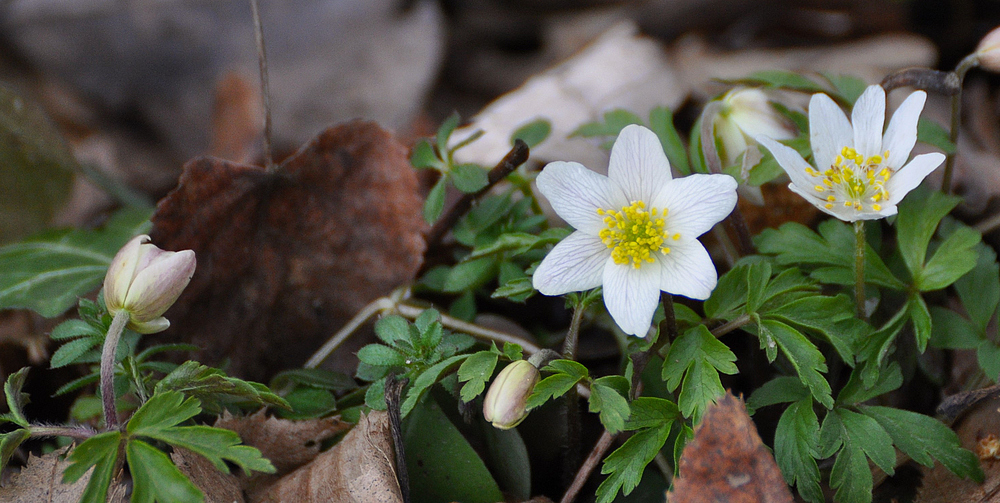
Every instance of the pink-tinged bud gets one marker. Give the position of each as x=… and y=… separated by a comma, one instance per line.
x=745, y=114
x=988, y=51
x=145, y=281
x=504, y=403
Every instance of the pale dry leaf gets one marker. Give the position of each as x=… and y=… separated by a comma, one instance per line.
x=287, y=444
x=218, y=487
x=41, y=481
x=979, y=421
x=359, y=469
x=726, y=461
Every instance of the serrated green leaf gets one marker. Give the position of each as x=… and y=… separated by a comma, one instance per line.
x=650, y=412
x=829, y=317
x=950, y=330
x=730, y=294
x=423, y=156
x=921, y=318
x=855, y=392
x=470, y=274
x=469, y=178
x=69, y=352
x=217, y=445
x=661, y=122
x=796, y=444
x=625, y=465
x=308, y=403
x=781, y=389
x=861, y=438
x=925, y=439
x=156, y=478
x=807, y=360
x=532, y=133
x=375, y=395
x=426, y=379
x=514, y=242
x=953, y=259
x=607, y=398
x=16, y=399
x=9, y=442
x=934, y=134
x=693, y=362
x=879, y=345
x=475, y=371
x=392, y=328
x=515, y=290
x=75, y=328
x=100, y=452
x=48, y=272
x=758, y=275
x=567, y=374
x=382, y=356
x=434, y=204
x=918, y=218
x=161, y=411
x=214, y=389
x=979, y=289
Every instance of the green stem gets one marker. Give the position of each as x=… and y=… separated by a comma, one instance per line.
x=108, y=368
x=969, y=62
x=572, y=452
x=859, y=269
x=731, y=325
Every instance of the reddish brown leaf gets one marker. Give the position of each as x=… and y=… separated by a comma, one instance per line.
x=285, y=258
x=726, y=461
x=218, y=487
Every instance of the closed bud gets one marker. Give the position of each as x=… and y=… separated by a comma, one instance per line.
x=504, y=404
x=145, y=281
x=745, y=114
x=988, y=51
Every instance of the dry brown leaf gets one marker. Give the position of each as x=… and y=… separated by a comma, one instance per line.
x=285, y=258
x=218, y=487
x=726, y=461
x=41, y=481
x=287, y=444
x=358, y=469
x=977, y=423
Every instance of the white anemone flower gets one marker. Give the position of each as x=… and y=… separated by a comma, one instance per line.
x=860, y=173
x=746, y=114
x=636, y=229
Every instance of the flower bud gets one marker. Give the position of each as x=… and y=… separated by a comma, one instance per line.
x=988, y=51
x=504, y=404
x=745, y=114
x=145, y=281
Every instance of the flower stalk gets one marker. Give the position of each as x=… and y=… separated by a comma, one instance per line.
x=859, y=269
x=969, y=62
x=108, y=368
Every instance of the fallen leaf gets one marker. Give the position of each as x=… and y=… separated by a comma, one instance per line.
x=285, y=258
x=41, y=481
x=726, y=461
x=218, y=487
x=358, y=469
x=287, y=444
x=978, y=419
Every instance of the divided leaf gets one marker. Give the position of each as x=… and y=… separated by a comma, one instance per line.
x=696, y=358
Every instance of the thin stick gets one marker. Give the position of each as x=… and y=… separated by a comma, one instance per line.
x=588, y=466
x=258, y=31
x=735, y=220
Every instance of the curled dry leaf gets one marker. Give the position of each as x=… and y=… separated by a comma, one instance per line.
x=977, y=425
x=287, y=444
x=41, y=481
x=285, y=258
x=726, y=461
x=218, y=487
x=359, y=469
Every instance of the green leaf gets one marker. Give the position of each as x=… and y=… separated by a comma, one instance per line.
x=807, y=360
x=315, y=378
x=471, y=274
x=424, y=156
x=661, y=122
x=918, y=218
x=156, y=478
x=434, y=204
x=382, y=356
x=829, y=317
x=979, y=289
x=695, y=360
x=426, y=379
x=625, y=465
x=441, y=463
x=855, y=391
x=925, y=439
x=214, y=389
x=614, y=122
x=607, y=397
x=9, y=442
x=781, y=389
x=950, y=330
x=758, y=275
x=469, y=178
x=849, y=87
x=100, y=452
x=430, y=328
x=796, y=445
x=780, y=79
x=308, y=403
x=16, y=399
x=567, y=374
x=514, y=242
x=392, y=328
x=921, y=317
x=75, y=328
x=36, y=166
x=649, y=412
x=860, y=436
x=444, y=132
x=934, y=134
x=474, y=372
x=953, y=259
x=48, y=272
x=988, y=355
x=69, y=352
x=532, y=133
x=515, y=290
x=730, y=294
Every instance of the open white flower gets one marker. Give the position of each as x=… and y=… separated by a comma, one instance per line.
x=636, y=229
x=860, y=172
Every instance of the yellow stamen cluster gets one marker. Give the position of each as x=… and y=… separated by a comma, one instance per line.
x=855, y=180
x=634, y=233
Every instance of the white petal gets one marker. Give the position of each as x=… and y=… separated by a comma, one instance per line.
x=159, y=284
x=839, y=211
x=909, y=176
x=901, y=134
x=150, y=327
x=695, y=203
x=868, y=118
x=638, y=165
x=574, y=265
x=688, y=270
x=790, y=160
x=829, y=130
x=576, y=193
x=121, y=273
x=631, y=295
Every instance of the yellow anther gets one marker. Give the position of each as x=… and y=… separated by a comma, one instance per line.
x=677, y=236
x=828, y=206
x=819, y=188
x=877, y=207
x=634, y=234
x=831, y=198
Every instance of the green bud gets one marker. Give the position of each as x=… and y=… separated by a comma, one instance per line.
x=504, y=403
x=145, y=281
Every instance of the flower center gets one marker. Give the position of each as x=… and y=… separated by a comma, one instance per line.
x=854, y=180
x=634, y=234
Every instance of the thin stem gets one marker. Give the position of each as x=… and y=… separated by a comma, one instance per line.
x=573, y=334
x=76, y=432
x=258, y=32
x=108, y=368
x=969, y=62
x=859, y=269
x=588, y=466
x=572, y=398
x=731, y=325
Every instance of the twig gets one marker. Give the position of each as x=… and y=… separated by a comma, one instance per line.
x=516, y=157
x=735, y=221
x=595, y=456
x=258, y=32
